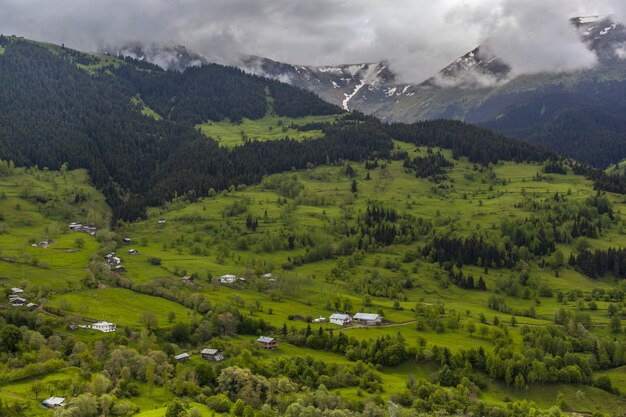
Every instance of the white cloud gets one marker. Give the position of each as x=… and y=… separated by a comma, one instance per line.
x=417, y=37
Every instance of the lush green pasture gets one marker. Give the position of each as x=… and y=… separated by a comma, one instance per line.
x=37, y=206
x=214, y=236
x=117, y=305
x=270, y=127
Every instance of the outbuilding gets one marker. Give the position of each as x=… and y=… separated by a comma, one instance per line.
x=370, y=319
x=53, y=402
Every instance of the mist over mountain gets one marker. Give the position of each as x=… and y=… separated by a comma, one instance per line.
x=479, y=87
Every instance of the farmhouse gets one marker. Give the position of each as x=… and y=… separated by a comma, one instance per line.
x=212, y=355
x=267, y=342
x=227, y=279
x=104, y=326
x=53, y=402
x=340, y=319
x=368, y=318
x=182, y=357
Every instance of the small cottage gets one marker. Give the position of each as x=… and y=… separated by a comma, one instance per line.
x=17, y=291
x=267, y=342
x=132, y=251
x=340, y=319
x=127, y=240
x=187, y=279
x=182, y=357
x=319, y=320
x=212, y=355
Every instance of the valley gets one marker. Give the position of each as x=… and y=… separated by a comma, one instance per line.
x=296, y=225
x=209, y=242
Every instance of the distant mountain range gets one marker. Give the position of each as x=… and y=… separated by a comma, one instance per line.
x=578, y=114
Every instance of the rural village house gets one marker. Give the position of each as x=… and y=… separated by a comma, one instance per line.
x=267, y=342
x=212, y=355
x=340, y=319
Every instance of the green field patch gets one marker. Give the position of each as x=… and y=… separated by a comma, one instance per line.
x=145, y=110
x=120, y=306
x=230, y=134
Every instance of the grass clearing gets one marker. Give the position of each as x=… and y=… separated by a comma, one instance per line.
x=270, y=127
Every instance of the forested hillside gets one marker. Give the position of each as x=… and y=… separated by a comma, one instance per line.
x=61, y=108
x=133, y=126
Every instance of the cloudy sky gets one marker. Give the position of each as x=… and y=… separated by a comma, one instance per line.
x=418, y=37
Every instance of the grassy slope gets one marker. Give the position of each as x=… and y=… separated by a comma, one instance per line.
x=202, y=225
x=25, y=221
x=269, y=127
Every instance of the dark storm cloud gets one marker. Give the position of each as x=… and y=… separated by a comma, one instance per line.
x=417, y=37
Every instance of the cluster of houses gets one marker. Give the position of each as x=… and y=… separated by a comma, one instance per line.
x=370, y=319
x=79, y=227
x=114, y=262
x=231, y=279
x=16, y=299
x=214, y=355
x=101, y=326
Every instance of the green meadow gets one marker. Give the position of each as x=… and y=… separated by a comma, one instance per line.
x=270, y=127
x=275, y=227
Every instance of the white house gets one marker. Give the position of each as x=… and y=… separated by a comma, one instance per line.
x=368, y=318
x=104, y=326
x=53, y=402
x=340, y=319
x=227, y=279
x=319, y=320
